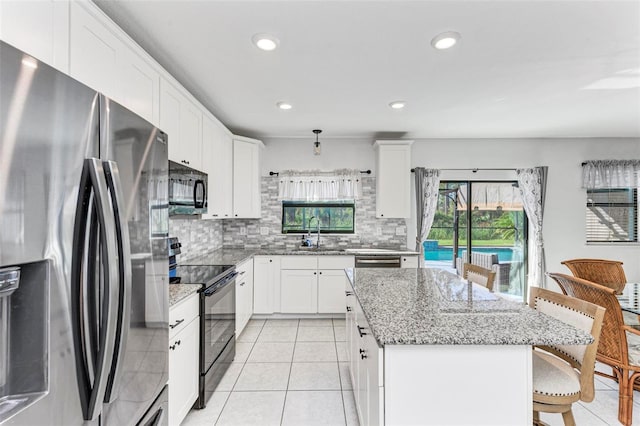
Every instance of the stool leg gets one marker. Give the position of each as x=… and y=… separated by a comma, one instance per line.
x=567, y=416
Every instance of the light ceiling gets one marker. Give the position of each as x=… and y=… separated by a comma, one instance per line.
x=521, y=68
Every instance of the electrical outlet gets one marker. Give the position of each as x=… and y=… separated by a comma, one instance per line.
x=264, y=230
x=400, y=230
x=243, y=230
x=378, y=231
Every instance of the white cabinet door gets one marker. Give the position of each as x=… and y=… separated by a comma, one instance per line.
x=393, y=181
x=246, y=178
x=331, y=284
x=298, y=291
x=93, y=53
x=266, y=284
x=217, y=158
x=244, y=295
x=140, y=86
x=409, y=261
x=39, y=28
x=183, y=371
x=182, y=121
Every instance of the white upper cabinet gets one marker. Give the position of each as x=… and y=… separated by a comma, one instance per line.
x=181, y=119
x=105, y=59
x=140, y=87
x=217, y=157
x=94, y=51
x=246, y=178
x=393, y=182
x=40, y=28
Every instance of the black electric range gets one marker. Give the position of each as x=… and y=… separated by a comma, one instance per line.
x=217, y=322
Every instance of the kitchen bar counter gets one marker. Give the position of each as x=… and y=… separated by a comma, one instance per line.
x=430, y=306
x=419, y=352
x=178, y=292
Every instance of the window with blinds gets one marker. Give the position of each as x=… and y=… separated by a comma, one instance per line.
x=612, y=215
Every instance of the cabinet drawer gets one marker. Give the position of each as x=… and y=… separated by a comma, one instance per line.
x=335, y=262
x=299, y=262
x=246, y=267
x=183, y=313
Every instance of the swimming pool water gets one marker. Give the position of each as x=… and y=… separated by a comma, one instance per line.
x=505, y=254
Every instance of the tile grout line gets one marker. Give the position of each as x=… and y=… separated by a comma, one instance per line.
x=335, y=344
x=253, y=344
x=286, y=392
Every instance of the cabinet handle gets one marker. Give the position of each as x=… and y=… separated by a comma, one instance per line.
x=270, y=260
x=349, y=309
x=348, y=293
x=362, y=356
x=172, y=347
x=362, y=351
x=178, y=343
x=242, y=283
x=236, y=215
x=320, y=272
x=214, y=215
x=314, y=273
x=361, y=332
x=381, y=215
x=178, y=322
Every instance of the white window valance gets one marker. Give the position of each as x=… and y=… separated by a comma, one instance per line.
x=314, y=185
x=611, y=174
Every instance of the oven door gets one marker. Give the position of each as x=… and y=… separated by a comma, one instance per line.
x=217, y=321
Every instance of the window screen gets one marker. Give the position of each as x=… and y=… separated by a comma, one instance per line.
x=335, y=217
x=612, y=215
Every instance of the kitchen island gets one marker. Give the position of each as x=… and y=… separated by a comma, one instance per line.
x=425, y=347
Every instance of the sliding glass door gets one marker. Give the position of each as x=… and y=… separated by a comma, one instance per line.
x=491, y=213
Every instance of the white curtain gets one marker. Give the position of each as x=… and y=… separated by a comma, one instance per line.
x=427, y=187
x=611, y=174
x=314, y=185
x=532, y=184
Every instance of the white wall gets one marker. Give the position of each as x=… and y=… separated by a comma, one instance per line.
x=564, y=223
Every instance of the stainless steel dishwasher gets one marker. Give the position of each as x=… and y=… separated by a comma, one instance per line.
x=378, y=261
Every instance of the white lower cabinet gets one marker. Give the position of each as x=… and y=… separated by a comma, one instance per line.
x=366, y=367
x=409, y=262
x=331, y=291
x=244, y=295
x=184, y=330
x=266, y=284
x=313, y=284
x=298, y=291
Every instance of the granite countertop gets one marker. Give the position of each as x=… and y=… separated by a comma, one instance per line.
x=431, y=307
x=221, y=257
x=177, y=292
x=237, y=256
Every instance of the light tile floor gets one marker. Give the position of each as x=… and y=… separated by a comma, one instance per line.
x=286, y=372
x=293, y=372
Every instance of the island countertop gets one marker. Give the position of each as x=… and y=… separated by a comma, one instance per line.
x=432, y=307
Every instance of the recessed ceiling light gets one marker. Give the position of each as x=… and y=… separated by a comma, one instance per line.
x=397, y=104
x=284, y=105
x=265, y=41
x=445, y=40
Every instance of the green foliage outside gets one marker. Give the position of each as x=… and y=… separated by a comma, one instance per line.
x=337, y=218
x=489, y=228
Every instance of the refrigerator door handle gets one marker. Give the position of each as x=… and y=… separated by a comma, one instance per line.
x=93, y=364
x=124, y=277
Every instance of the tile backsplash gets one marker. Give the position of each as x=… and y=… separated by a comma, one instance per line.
x=202, y=236
x=265, y=233
x=196, y=235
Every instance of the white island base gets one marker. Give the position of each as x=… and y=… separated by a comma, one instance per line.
x=457, y=385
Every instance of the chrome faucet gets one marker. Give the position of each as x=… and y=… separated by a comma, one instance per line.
x=318, y=229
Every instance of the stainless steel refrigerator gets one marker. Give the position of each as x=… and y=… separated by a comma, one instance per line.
x=84, y=221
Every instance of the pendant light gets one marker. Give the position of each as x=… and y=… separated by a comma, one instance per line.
x=316, y=144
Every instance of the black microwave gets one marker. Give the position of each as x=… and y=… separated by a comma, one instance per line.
x=187, y=190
